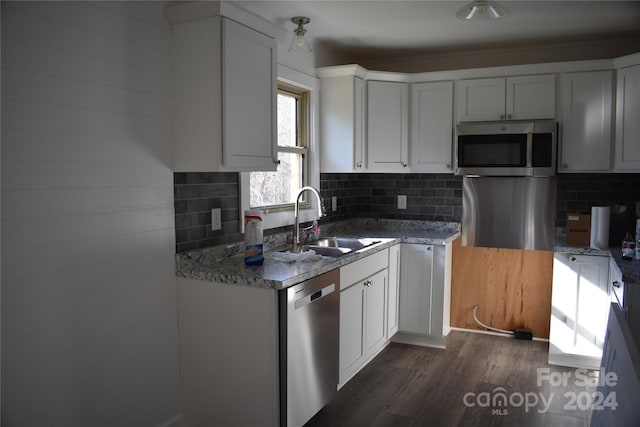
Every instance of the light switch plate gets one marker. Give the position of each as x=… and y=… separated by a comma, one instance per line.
x=216, y=220
x=334, y=203
x=402, y=201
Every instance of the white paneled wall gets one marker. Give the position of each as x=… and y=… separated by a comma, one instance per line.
x=89, y=333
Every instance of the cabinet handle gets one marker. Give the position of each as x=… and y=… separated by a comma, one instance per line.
x=448, y=166
x=359, y=164
x=565, y=166
x=404, y=165
x=501, y=116
x=428, y=248
x=368, y=283
x=573, y=259
x=508, y=116
x=616, y=284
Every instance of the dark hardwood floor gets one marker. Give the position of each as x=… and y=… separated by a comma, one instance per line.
x=461, y=386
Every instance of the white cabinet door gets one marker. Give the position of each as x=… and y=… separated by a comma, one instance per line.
x=587, y=110
x=480, y=100
x=627, y=157
x=351, y=328
x=224, y=94
x=343, y=124
x=249, y=97
x=363, y=323
x=431, y=127
x=375, y=299
x=531, y=97
x=393, y=291
x=579, y=309
x=387, y=126
x=416, y=289
x=510, y=98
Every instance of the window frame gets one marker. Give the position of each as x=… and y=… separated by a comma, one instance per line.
x=302, y=96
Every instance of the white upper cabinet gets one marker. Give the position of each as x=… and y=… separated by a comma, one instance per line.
x=431, y=127
x=342, y=123
x=224, y=90
x=627, y=157
x=586, y=124
x=510, y=98
x=249, y=89
x=388, y=126
x=480, y=100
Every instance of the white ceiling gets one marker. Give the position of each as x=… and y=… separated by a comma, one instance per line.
x=365, y=28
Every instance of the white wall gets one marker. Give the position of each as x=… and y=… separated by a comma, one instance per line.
x=89, y=333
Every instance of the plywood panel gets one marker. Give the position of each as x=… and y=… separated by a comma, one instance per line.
x=511, y=286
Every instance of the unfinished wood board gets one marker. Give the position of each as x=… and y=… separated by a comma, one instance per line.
x=511, y=286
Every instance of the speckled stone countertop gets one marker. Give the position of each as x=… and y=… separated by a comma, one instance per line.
x=225, y=264
x=630, y=269
x=562, y=247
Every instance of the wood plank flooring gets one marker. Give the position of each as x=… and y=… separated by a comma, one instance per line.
x=416, y=386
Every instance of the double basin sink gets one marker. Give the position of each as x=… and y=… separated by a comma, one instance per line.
x=337, y=246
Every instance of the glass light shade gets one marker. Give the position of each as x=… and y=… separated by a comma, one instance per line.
x=300, y=42
x=480, y=10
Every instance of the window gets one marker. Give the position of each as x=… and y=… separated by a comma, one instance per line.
x=274, y=191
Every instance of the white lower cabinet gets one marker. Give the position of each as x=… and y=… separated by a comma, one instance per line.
x=579, y=310
x=393, y=290
x=363, y=312
x=425, y=294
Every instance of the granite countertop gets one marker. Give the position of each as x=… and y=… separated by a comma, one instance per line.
x=562, y=246
x=225, y=264
x=630, y=269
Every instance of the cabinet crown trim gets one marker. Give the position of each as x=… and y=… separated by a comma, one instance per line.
x=475, y=73
x=191, y=11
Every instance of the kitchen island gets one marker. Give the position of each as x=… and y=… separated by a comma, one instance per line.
x=230, y=315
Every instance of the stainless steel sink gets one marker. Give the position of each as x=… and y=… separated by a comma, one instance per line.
x=336, y=246
x=327, y=250
x=344, y=242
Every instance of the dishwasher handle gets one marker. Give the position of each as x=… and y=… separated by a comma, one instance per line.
x=308, y=299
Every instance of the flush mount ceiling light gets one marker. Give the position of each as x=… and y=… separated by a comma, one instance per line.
x=480, y=10
x=300, y=42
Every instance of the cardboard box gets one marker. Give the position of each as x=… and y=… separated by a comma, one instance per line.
x=578, y=229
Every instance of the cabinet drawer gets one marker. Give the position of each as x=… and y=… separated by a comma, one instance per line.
x=363, y=268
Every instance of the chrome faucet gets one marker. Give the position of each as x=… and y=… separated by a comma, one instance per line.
x=296, y=210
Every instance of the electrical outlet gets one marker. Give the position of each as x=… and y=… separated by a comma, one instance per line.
x=334, y=203
x=402, y=201
x=216, y=220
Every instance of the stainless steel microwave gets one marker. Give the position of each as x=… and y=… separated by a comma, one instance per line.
x=506, y=148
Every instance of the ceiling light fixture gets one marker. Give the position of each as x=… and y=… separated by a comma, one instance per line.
x=481, y=10
x=300, y=42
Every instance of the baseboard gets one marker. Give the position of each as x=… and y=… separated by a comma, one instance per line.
x=176, y=421
x=421, y=340
x=497, y=334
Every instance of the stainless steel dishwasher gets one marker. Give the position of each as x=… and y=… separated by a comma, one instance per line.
x=309, y=327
